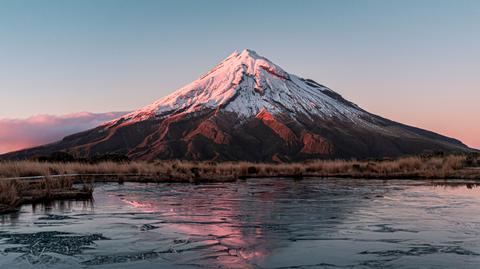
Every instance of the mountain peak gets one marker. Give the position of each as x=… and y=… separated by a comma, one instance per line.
x=245, y=53
x=250, y=59
x=251, y=64
x=246, y=83
x=250, y=53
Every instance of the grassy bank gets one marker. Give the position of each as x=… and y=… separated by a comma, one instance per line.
x=438, y=167
x=15, y=192
x=30, y=181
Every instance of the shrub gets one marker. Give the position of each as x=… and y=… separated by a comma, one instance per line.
x=252, y=170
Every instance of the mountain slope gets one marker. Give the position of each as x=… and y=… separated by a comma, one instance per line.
x=248, y=108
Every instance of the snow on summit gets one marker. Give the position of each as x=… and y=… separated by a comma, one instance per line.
x=247, y=83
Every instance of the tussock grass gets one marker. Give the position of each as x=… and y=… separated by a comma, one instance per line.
x=14, y=192
x=8, y=192
x=55, y=180
x=450, y=166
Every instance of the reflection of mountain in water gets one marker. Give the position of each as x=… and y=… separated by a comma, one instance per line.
x=258, y=223
x=242, y=225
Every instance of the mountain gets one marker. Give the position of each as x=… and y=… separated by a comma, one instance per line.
x=248, y=108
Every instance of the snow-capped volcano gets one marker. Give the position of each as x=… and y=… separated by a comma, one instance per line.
x=246, y=83
x=248, y=108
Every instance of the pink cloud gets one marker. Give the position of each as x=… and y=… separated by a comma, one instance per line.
x=18, y=134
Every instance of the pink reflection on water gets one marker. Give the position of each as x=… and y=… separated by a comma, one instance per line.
x=144, y=207
x=212, y=222
x=459, y=189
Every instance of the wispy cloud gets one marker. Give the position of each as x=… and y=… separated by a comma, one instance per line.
x=18, y=134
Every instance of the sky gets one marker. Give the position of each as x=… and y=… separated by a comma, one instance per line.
x=412, y=61
x=41, y=129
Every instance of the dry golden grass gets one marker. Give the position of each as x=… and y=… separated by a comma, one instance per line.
x=8, y=192
x=56, y=179
x=14, y=192
x=414, y=166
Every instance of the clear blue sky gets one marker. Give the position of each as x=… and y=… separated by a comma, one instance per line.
x=413, y=61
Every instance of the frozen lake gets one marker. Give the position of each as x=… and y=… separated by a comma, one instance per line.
x=258, y=223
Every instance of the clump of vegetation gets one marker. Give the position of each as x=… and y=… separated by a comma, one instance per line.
x=424, y=166
x=14, y=192
x=24, y=181
x=9, y=195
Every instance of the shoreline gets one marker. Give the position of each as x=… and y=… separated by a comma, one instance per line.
x=16, y=192
x=61, y=195
x=147, y=178
x=32, y=181
x=79, y=194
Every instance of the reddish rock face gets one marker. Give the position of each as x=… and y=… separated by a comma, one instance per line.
x=279, y=128
x=211, y=131
x=315, y=144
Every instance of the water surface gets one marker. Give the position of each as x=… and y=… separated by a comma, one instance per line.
x=258, y=223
